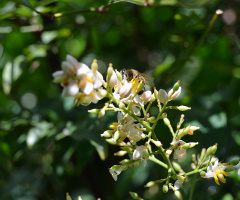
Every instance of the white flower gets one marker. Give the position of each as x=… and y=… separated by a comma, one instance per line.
x=113, y=79
x=217, y=172
x=116, y=170
x=141, y=153
x=174, y=95
x=71, y=89
x=146, y=96
x=178, y=184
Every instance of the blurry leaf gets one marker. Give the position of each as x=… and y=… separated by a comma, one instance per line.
x=48, y=36
x=236, y=137
x=34, y=51
x=25, y=3
x=218, y=120
x=36, y=133
x=4, y=147
x=44, y=2
x=75, y=46
x=17, y=71
x=228, y=197
x=143, y=2
x=101, y=149
x=7, y=77
x=167, y=63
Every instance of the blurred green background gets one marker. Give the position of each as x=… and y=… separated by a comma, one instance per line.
x=49, y=147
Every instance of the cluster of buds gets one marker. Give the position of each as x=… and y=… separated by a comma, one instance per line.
x=126, y=94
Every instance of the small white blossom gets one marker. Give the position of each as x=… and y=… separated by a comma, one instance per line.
x=174, y=95
x=179, y=153
x=162, y=96
x=217, y=172
x=116, y=170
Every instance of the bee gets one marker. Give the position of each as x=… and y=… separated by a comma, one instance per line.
x=131, y=74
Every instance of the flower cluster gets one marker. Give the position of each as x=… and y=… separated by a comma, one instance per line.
x=134, y=129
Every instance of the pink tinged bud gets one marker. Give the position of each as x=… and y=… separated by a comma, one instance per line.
x=146, y=96
x=173, y=95
x=125, y=90
x=162, y=96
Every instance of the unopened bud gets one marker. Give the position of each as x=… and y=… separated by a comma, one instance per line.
x=151, y=119
x=183, y=108
x=202, y=173
x=150, y=184
x=166, y=122
x=146, y=96
x=176, y=166
x=94, y=66
x=119, y=75
x=134, y=195
x=155, y=93
x=101, y=113
x=234, y=162
x=107, y=134
x=94, y=111
x=153, y=98
x=162, y=96
x=168, y=152
x=111, y=141
x=189, y=145
x=157, y=143
x=109, y=71
x=229, y=168
x=116, y=135
x=121, y=105
x=120, y=153
x=178, y=194
x=165, y=188
x=176, y=86
x=214, y=149
x=181, y=178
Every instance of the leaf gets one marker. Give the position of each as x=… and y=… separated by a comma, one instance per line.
x=7, y=77
x=25, y=3
x=45, y=2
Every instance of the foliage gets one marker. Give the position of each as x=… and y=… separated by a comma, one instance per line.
x=49, y=147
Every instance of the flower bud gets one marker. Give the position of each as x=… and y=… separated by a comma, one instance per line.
x=157, y=143
x=166, y=122
x=107, y=134
x=214, y=149
x=168, y=152
x=150, y=184
x=112, y=81
x=94, y=111
x=178, y=194
x=181, y=178
x=176, y=86
x=162, y=96
x=94, y=66
x=116, y=135
x=234, y=162
x=229, y=168
x=153, y=98
x=146, y=96
x=119, y=75
x=173, y=95
x=151, y=119
x=111, y=141
x=183, y=108
x=134, y=195
x=101, y=113
x=121, y=105
x=176, y=166
x=165, y=188
x=120, y=153
x=189, y=145
x=109, y=71
x=202, y=173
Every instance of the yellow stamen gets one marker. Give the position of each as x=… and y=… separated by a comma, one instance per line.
x=89, y=79
x=216, y=178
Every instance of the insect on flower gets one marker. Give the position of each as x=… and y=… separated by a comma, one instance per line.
x=131, y=74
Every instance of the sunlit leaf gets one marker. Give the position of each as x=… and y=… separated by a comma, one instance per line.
x=7, y=77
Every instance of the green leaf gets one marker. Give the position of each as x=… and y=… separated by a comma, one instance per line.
x=25, y=3
x=7, y=77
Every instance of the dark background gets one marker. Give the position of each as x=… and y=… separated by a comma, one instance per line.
x=49, y=147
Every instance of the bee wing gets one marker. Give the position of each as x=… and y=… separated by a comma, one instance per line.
x=149, y=80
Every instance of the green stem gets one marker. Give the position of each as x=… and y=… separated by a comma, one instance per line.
x=152, y=158
x=193, y=187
